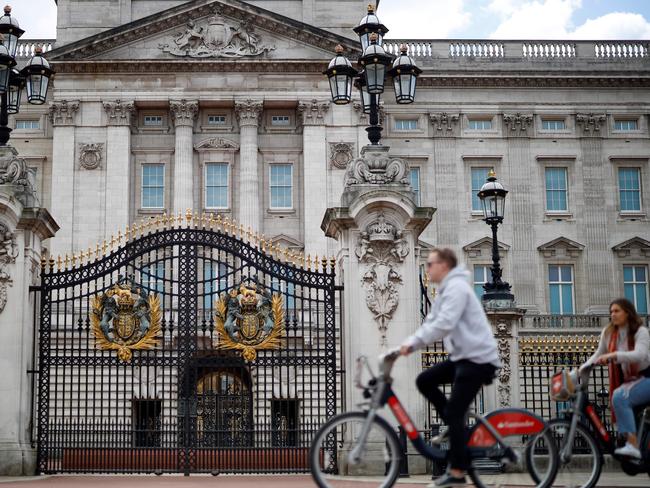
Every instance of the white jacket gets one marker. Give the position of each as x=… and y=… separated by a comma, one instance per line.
x=457, y=317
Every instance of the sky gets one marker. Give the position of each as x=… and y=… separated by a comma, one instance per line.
x=451, y=19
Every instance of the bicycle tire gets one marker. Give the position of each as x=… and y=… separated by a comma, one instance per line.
x=391, y=438
x=582, y=431
x=550, y=476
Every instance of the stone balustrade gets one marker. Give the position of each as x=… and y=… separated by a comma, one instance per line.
x=524, y=50
x=27, y=47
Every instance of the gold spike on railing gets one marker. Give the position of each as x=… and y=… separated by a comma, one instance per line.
x=75, y=258
x=119, y=238
x=52, y=263
x=59, y=263
x=214, y=223
x=333, y=263
x=104, y=248
x=316, y=263
x=196, y=220
x=127, y=235
x=112, y=242
x=66, y=261
x=226, y=225
x=309, y=262
x=188, y=216
x=263, y=243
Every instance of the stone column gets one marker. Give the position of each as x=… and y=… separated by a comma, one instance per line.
x=314, y=149
x=62, y=115
x=593, y=225
x=118, y=166
x=23, y=227
x=248, y=114
x=377, y=227
x=504, y=392
x=183, y=113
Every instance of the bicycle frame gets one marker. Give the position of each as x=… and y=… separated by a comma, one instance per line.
x=483, y=434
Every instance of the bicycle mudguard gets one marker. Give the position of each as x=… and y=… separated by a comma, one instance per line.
x=507, y=422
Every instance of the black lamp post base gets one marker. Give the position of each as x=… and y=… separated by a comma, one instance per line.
x=374, y=134
x=5, y=133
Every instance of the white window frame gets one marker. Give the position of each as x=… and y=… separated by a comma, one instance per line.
x=486, y=276
x=222, y=120
x=471, y=188
x=553, y=121
x=151, y=116
x=205, y=186
x=405, y=121
x=471, y=120
x=635, y=283
x=142, y=186
x=418, y=190
x=624, y=120
x=640, y=190
x=31, y=121
x=566, y=190
x=271, y=186
x=281, y=120
x=559, y=282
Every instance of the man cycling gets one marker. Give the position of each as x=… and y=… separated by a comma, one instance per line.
x=457, y=317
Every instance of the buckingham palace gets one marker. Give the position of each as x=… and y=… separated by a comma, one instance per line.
x=170, y=116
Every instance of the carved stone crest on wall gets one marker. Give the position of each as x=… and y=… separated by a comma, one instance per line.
x=376, y=166
x=90, y=155
x=341, y=153
x=382, y=248
x=217, y=143
x=218, y=38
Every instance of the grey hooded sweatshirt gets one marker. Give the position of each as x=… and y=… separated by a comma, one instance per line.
x=457, y=317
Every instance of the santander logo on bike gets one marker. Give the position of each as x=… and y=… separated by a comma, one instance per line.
x=524, y=424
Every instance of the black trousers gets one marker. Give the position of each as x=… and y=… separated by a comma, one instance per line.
x=467, y=378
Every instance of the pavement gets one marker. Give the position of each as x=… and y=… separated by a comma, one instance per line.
x=607, y=480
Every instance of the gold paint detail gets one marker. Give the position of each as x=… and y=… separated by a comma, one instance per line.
x=126, y=319
x=248, y=320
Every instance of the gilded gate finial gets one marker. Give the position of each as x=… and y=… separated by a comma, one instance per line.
x=59, y=263
x=309, y=262
x=127, y=234
x=119, y=238
x=104, y=248
x=316, y=263
x=66, y=261
x=75, y=258
x=43, y=263
x=52, y=263
x=188, y=216
x=226, y=225
x=333, y=263
x=324, y=263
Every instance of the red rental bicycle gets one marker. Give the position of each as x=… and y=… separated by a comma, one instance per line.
x=583, y=439
x=362, y=445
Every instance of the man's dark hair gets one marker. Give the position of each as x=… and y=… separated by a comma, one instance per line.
x=447, y=256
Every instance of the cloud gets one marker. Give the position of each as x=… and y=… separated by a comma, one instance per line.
x=552, y=19
x=417, y=19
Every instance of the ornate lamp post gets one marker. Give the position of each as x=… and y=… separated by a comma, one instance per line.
x=493, y=199
x=35, y=76
x=376, y=65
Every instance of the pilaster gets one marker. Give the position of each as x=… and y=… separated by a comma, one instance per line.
x=183, y=114
x=248, y=115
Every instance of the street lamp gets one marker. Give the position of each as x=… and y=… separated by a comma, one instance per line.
x=370, y=80
x=493, y=200
x=35, y=76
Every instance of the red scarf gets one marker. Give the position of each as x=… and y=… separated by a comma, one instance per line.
x=615, y=379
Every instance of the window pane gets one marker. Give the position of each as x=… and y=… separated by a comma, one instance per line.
x=555, y=299
x=629, y=291
x=550, y=124
x=216, y=190
x=640, y=273
x=567, y=299
x=641, y=299
x=629, y=183
x=153, y=185
x=625, y=125
x=480, y=124
x=565, y=274
x=553, y=274
x=556, y=189
x=479, y=176
x=414, y=177
x=281, y=186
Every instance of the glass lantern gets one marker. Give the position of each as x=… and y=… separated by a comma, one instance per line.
x=404, y=74
x=340, y=73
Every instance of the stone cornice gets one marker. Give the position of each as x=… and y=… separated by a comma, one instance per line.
x=313, y=112
x=119, y=113
x=183, y=112
x=197, y=9
x=249, y=112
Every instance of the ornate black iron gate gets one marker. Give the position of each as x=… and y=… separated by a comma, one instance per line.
x=134, y=375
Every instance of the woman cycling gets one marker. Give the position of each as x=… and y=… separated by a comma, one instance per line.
x=625, y=347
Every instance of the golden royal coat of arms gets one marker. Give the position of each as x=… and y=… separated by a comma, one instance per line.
x=124, y=319
x=249, y=320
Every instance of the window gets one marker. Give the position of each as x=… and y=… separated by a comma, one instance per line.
x=626, y=125
x=28, y=124
x=556, y=190
x=215, y=276
x=635, y=283
x=406, y=124
x=153, y=185
x=482, y=275
x=153, y=277
x=281, y=186
x=414, y=177
x=280, y=120
x=153, y=120
x=216, y=120
x=479, y=124
x=287, y=290
x=216, y=185
x=560, y=281
x=553, y=124
x=629, y=187
x=479, y=177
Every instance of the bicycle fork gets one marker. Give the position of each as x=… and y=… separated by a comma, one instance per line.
x=567, y=450
x=356, y=453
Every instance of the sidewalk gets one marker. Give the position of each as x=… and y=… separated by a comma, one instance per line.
x=607, y=480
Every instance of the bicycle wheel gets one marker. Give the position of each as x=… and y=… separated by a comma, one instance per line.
x=332, y=464
x=583, y=469
x=538, y=462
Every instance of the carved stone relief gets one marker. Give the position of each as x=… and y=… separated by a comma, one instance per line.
x=444, y=123
x=119, y=112
x=183, y=111
x=90, y=155
x=216, y=38
x=8, y=254
x=518, y=124
x=313, y=112
x=217, y=143
x=341, y=153
x=249, y=111
x=63, y=112
x=590, y=123
x=503, y=335
x=381, y=247
x=14, y=171
x=376, y=166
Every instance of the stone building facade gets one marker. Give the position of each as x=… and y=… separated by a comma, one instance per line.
x=221, y=106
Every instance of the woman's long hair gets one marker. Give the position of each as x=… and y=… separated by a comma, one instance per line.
x=633, y=320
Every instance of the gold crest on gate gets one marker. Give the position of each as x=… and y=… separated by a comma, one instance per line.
x=124, y=319
x=249, y=320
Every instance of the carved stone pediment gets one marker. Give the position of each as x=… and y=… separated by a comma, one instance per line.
x=561, y=247
x=218, y=143
x=200, y=30
x=483, y=248
x=635, y=247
